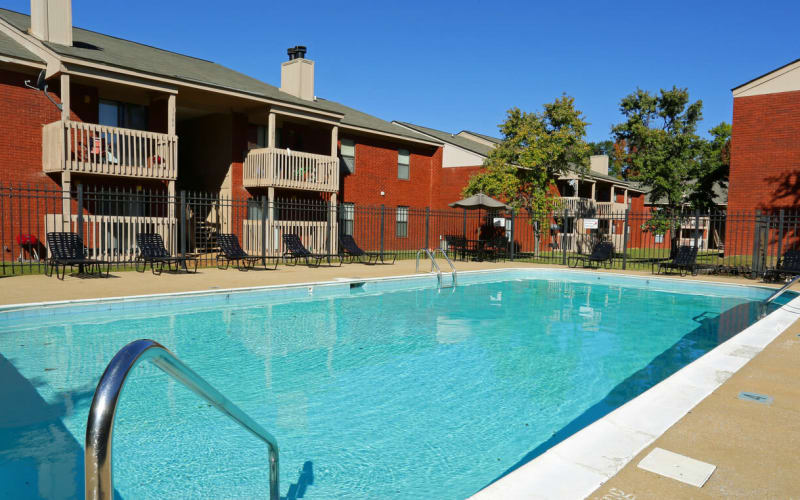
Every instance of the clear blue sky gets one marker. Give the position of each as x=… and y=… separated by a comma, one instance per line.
x=461, y=65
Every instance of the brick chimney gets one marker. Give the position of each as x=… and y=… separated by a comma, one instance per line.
x=297, y=74
x=51, y=21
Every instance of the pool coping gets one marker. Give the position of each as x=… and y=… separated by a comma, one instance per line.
x=581, y=463
x=337, y=281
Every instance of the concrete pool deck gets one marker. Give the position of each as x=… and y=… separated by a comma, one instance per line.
x=39, y=288
x=751, y=444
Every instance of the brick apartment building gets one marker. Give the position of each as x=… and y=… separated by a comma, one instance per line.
x=765, y=154
x=124, y=115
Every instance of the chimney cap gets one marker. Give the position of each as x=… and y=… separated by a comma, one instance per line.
x=296, y=52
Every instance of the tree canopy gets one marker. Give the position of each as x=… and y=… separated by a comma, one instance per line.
x=536, y=149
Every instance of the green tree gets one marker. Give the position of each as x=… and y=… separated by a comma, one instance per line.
x=662, y=151
x=536, y=149
x=713, y=168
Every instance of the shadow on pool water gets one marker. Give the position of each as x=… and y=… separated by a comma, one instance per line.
x=711, y=332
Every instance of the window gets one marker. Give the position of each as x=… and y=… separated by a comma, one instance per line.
x=261, y=136
x=348, y=218
x=349, y=155
x=123, y=114
x=402, y=222
x=254, y=209
x=659, y=238
x=402, y=164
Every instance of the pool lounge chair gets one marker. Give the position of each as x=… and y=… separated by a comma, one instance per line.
x=66, y=249
x=295, y=250
x=684, y=261
x=351, y=249
x=602, y=254
x=788, y=265
x=152, y=251
x=230, y=251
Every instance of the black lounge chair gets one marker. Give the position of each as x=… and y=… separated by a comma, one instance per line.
x=66, y=249
x=351, y=249
x=788, y=265
x=231, y=251
x=295, y=250
x=152, y=251
x=602, y=254
x=684, y=261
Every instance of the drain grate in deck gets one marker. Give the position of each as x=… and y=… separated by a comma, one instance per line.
x=755, y=397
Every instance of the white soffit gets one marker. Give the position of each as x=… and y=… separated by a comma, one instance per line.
x=786, y=79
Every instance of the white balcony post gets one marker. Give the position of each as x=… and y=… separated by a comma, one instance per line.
x=65, y=101
x=332, y=224
x=271, y=219
x=171, y=114
x=594, y=185
x=271, y=130
x=335, y=141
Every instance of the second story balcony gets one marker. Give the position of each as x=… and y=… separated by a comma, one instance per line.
x=88, y=148
x=283, y=168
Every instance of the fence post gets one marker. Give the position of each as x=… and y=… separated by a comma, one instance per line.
x=80, y=211
x=625, y=238
x=383, y=208
x=183, y=222
x=464, y=227
x=427, y=225
x=511, y=235
x=780, y=235
x=563, y=241
x=756, y=265
x=264, y=229
x=696, y=228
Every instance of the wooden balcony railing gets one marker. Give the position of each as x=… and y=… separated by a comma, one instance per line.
x=270, y=167
x=610, y=209
x=88, y=148
x=579, y=207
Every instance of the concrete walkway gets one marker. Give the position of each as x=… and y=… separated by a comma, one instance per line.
x=754, y=446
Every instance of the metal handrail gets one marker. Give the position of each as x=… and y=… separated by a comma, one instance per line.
x=783, y=289
x=435, y=265
x=450, y=262
x=99, y=427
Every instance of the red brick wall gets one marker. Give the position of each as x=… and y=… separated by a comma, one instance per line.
x=376, y=172
x=765, y=152
x=450, y=183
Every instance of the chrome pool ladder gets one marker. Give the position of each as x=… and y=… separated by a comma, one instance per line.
x=783, y=289
x=99, y=427
x=435, y=265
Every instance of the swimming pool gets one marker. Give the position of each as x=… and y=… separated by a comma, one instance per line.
x=390, y=389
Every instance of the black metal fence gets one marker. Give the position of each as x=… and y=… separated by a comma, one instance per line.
x=108, y=221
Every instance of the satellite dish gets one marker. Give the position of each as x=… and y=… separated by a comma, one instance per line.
x=40, y=82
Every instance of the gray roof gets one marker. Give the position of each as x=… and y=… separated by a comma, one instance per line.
x=11, y=48
x=455, y=140
x=720, y=195
x=113, y=51
x=495, y=140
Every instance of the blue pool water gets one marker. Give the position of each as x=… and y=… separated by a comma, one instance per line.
x=383, y=391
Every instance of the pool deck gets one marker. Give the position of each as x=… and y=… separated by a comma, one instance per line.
x=752, y=445
x=40, y=288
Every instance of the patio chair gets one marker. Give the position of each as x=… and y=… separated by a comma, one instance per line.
x=602, y=254
x=788, y=265
x=152, y=251
x=66, y=249
x=354, y=252
x=295, y=250
x=231, y=251
x=684, y=261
